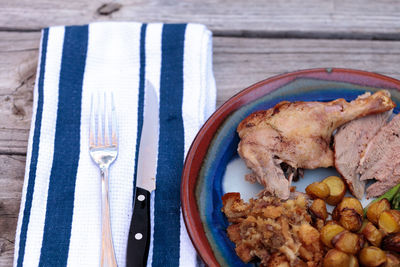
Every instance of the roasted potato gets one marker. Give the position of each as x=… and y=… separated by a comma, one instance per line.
x=389, y=221
x=396, y=213
x=372, y=256
x=391, y=242
x=350, y=203
x=349, y=214
x=353, y=261
x=331, y=222
x=328, y=232
x=375, y=210
x=372, y=234
x=318, y=208
x=363, y=242
x=350, y=219
x=318, y=190
x=347, y=242
x=392, y=260
x=364, y=223
x=337, y=189
x=336, y=258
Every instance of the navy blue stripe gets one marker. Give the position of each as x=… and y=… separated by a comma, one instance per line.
x=60, y=200
x=35, y=152
x=141, y=98
x=171, y=149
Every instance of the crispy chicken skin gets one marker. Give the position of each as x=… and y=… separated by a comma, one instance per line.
x=299, y=134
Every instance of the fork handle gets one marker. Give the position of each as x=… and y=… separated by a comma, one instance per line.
x=107, y=249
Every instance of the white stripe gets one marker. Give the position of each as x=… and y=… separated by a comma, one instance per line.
x=113, y=63
x=192, y=115
x=28, y=155
x=46, y=147
x=197, y=94
x=195, y=84
x=210, y=91
x=152, y=73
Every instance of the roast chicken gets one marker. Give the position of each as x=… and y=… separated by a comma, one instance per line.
x=298, y=135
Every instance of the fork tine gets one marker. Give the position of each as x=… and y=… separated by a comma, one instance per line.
x=114, y=136
x=106, y=121
x=92, y=126
x=99, y=117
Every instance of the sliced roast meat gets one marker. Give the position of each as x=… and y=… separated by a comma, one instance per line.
x=350, y=141
x=299, y=134
x=381, y=159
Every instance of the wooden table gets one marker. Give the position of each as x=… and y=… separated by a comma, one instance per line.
x=253, y=40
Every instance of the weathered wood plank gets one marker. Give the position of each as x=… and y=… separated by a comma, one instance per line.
x=238, y=62
x=352, y=19
x=11, y=180
x=18, y=56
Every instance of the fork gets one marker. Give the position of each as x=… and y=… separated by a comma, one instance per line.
x=103, y=149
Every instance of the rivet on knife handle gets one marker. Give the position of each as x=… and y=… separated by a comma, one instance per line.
x=139, y=232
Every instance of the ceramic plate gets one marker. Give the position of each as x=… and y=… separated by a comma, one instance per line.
x=213, y=167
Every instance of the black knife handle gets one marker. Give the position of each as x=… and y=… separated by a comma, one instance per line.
x=139, y=231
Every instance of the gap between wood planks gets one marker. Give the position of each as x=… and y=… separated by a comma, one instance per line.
x=266, y=48
x=379, y=36
x=309, y=35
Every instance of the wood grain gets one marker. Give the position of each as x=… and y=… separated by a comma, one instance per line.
x=18, y=60
x=253, y=40
x=314, y=18
x=238, y=63
x=11, y=180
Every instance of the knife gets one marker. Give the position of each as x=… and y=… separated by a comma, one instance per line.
x=139, y=232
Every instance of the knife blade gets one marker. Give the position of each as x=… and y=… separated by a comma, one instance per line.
x=139, y=232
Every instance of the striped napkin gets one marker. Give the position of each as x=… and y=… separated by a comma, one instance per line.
x=59, y=220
